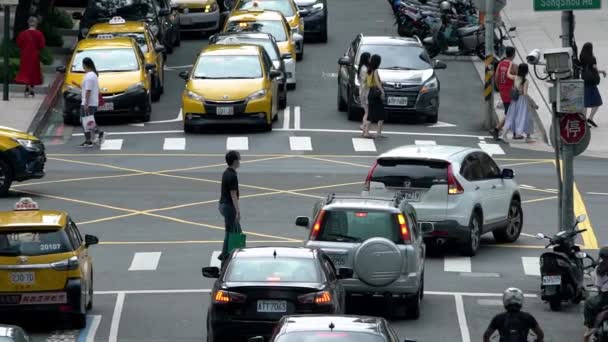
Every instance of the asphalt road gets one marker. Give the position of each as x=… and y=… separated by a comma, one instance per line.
x=152, y=189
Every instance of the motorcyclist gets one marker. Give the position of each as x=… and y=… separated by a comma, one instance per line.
x=513, y=325
x=595, y=304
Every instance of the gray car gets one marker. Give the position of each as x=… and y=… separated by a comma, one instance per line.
x=12, y=333
x=380, y=239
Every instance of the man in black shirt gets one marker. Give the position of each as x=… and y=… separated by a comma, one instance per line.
x=513, y=325
x=229, y=199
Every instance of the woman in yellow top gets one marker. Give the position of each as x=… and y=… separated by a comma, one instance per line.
x=376, y=96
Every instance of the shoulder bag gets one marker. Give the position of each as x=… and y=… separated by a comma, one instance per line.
x=590, y=75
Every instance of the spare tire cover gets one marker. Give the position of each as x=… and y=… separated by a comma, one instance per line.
x=378, y=262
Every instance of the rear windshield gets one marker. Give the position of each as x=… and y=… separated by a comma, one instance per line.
x=358, y=226
x=273, y=27
x=322, y=336
x=139, y=37
x=410, y=173
x=300, y=270
x=34, y=243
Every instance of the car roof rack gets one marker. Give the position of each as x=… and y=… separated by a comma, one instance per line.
x=396, y=199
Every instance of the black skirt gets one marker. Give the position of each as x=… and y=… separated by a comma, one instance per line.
x=376, y=110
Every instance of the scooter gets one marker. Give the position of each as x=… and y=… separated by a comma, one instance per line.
x=563, y=269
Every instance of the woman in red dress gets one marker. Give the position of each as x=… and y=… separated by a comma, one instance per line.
x=30, y=42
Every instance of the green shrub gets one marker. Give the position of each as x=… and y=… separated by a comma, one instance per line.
x=52, y=37
x=13, y=69
x=60, y=18
x=46, y=56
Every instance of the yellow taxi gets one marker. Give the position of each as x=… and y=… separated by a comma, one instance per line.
x=271, y=22
x=288, y=8
x=45, y=265
x=198, y=15
x=153, y=51
x=125, y=81
x=233, y=84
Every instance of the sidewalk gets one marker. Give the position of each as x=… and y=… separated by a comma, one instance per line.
x=542, y=30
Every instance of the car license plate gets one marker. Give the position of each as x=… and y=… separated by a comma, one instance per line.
x=397, y=101
x=108, y=106
x=552, y=280
x=412, y=196
x=272, y=306
x=338, y=260
x=224, y=111
x=22, y=278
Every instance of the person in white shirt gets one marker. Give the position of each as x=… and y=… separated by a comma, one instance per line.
x=90, y=102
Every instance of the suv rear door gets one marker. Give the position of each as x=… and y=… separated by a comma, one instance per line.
x=422, y=182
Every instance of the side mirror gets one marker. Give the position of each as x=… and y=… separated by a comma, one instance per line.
x=275, y=74
x=345, y=273
x=164, y=12
x=90, y=240
x=540, y=236
x=160, y=49
x=77, y=16
x=440, y=65
x=428, y=41
x=184, y=74
x=286, y=56
x=302, y=221
x=507, y=174
x=512, y=28
x=581, y=218
x=256, y=339
x=60, y=69
x=345, y=61
x=211, y=272
x=426, y=228
x=150, y=66
x=212, y=38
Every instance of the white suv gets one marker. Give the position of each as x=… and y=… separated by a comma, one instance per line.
x=460, y=191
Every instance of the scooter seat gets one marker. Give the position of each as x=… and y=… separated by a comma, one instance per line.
x=465, y=31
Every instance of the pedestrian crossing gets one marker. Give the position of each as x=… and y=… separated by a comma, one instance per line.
x=456, y=265
x=283, y=143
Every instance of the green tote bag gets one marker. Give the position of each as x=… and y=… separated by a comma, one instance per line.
x=236, y=240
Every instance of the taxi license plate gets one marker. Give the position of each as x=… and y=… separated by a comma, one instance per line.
x=397, y=101
x=22, y=278
x=108, y=106
x=412, y=196
x=338, y=260
x=272, y=306
x=224, y=111
x=552, y=280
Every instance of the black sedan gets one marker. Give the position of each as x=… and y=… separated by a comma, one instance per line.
x=325, y=328
x=256, y=287
x=314, y=13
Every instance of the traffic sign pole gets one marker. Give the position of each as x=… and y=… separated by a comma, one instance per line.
x=490, y=117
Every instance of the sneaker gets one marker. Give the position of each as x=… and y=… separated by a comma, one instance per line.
x=86, y=144
x=100, y=138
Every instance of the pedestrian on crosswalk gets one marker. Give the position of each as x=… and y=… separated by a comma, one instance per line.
x=90, y=103
x=376, y=95
x=364, y=91
x=229, y=200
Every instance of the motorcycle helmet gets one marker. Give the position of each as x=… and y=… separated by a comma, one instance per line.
x=513, y=298
x=445, y=6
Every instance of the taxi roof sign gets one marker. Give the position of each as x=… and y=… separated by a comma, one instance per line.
x=117, y=20
x=256, y=7
x=26, y=203
x=105, y=36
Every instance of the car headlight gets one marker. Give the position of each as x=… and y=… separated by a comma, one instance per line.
x=211, y=8
x=257, y=95
x=84, y=31
x=318, y=7
x=194, y=96
x=28, y=144
x=432, y=84
x=135, y=87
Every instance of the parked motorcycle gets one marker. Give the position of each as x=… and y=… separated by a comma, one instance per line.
x=563, y=269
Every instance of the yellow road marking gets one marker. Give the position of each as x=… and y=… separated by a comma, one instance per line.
x=527, y=163
x=104, y=219
x=188, y=242
x=78, y=179
x=538, y=190
x=335, y=161
x=539, y=199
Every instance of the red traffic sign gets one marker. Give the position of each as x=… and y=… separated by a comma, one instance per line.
x=572, y=128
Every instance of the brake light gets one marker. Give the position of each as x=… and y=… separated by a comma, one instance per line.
x=226, y=297
x=319, y=298
x=273, y=279
x=403, y=228
x=454, y=188
x=361, y=214
x=368, y=180
x=316, y=228
x=65, y=308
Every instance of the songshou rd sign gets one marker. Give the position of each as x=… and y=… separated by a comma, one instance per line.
x=566, y=5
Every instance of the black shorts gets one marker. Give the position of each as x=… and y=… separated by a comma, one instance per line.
x=506, y=105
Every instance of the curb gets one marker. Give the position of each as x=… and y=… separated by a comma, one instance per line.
x=49, y=101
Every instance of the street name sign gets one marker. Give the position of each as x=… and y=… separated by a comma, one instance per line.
x=566, y=5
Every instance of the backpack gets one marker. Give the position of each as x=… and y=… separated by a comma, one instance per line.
x=510, y=331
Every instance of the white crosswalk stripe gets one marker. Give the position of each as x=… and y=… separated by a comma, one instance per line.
x=531, y=265
x=491, y=149
x=145, y=261
x=174, y=144
x=111, y=145
x=457, y=264
x=300, y=144
x=364, y=145
x=237, y=143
